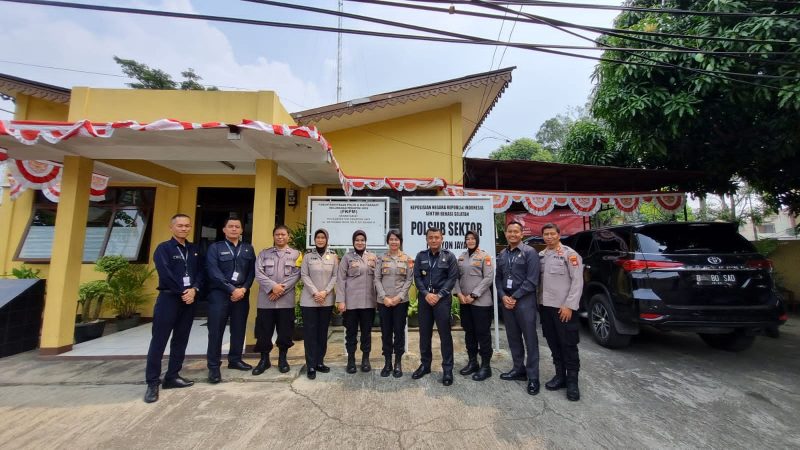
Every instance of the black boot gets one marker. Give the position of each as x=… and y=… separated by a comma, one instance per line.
x=573, y=392
x=471, y=367
x=485, y=371
x=559, y=381
x=365, y=367
x=283, y=365
x=351, y=363
x=263, y=364
x=387, y=366
x=398, y=366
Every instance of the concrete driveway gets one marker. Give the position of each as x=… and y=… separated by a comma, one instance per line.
x=665, y=391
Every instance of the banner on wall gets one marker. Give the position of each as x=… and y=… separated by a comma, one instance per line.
x=568, y=222
x=342, y=216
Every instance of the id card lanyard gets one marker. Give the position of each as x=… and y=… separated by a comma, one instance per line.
x=235, y=274
x=431, y=265
x=511, y=260
x=187, y=280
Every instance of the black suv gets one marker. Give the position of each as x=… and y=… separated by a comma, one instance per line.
x=683, y=276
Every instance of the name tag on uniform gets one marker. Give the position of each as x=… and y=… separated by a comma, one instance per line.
x=509, y=283
x=187, y=281
x=235, y=276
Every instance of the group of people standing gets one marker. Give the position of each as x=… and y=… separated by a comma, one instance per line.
x=358, y=285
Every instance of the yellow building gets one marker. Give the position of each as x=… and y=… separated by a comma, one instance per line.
x=209, y=165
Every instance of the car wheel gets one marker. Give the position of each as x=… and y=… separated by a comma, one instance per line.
x=601, y=323
x=731, y=342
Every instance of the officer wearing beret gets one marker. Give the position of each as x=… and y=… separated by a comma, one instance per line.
x=356, y=298
x=516, y=281
x=474, y=292
x=230, y=265
x=562, y=285
x=277, y=272
x=435, y=275
x=180, y=275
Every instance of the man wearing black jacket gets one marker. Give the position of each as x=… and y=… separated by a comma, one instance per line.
x=180, y=275
x=435, y=275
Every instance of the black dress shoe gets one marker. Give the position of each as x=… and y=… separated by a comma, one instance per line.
x=470, y=368
x=557, y=382
x=323, y=368
x=176, y=383
x=151, y=394
x=533, y=387
x=447, y=378
x=351, y=364
x=420, y=372
x=482, y=374
x=214, y=376
x=311, y=374
x=263, y=364
x=239, y=365
x=573, y=391
x=398, y=368
x=365, y=366
x=514, y=375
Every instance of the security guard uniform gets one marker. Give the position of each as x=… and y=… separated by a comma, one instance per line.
x=355, y=287
x=475, y=279
x=517, y=277
x=435, y=274
x=276, y=266
x=318, y=272
x=230, y=265
x=179, y=267
x=393, y=279
x=562, y=285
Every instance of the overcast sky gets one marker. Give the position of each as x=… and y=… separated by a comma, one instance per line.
x=301, y=65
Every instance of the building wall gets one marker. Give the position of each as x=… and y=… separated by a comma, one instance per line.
x=423, y=145
x=786, y=260
x=32, y=108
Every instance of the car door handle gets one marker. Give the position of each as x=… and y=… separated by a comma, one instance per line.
x=587, y=266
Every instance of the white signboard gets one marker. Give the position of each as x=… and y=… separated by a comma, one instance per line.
x=454, y=216
x=342, y=216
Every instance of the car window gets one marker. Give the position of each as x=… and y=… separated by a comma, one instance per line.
x=692, y=238
x=582, y=243
x=611, y=241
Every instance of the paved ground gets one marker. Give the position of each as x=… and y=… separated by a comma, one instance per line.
x=665, y=391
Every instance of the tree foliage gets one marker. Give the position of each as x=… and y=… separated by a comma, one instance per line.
x=553, y=132
x=705, y=115
x=149, y=78
x=590, y=142
x=522, y=148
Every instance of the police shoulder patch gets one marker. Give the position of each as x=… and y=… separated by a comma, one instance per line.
x=487, y=260
x=573, y=259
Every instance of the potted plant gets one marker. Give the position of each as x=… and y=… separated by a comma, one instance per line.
x=126, y=288
x=90, y=301
x=297, y=335
x=413, y=312
x=455, y=313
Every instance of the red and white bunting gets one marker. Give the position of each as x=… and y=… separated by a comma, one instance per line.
x=46, y=176
x=542, y=203
x=350, y=184
x=29, y=132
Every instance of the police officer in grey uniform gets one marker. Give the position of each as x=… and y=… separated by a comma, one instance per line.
x=476, y=274
x=562, y=285
x=392, y=281
x=318, y=272
x=230, y=264
x=435, y=275
x=516, y=281
x=277, y=272
x=356, y=298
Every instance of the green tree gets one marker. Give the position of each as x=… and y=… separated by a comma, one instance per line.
x=553, y=132
x=149, y=78
x=522, y=148
x=590, y=142
x=705, y=116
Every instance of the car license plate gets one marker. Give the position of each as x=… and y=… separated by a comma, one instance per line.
x=716, y=279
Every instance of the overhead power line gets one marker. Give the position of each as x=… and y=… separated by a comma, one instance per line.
x=687, y=12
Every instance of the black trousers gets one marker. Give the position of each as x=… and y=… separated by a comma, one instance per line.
x=315, y=327
x=440, y=314
x=562, y=338
x=267, y=321
x=170, y=316
x=521, y=324
x=477, y=322
x=220, y=308
x=393, y=328
x=353, y=320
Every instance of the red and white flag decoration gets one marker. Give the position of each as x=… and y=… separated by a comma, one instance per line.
x=542, y=203
x=46, y=176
